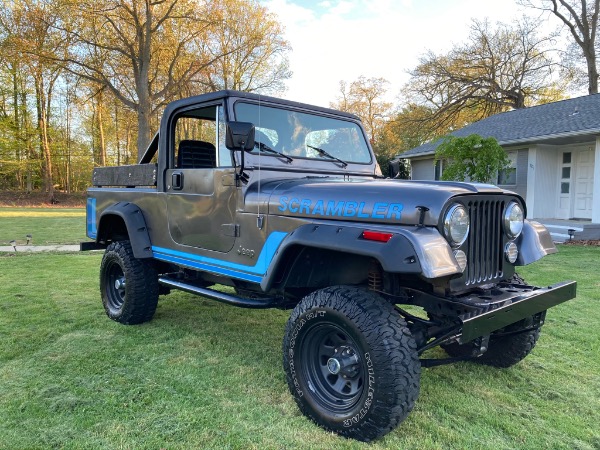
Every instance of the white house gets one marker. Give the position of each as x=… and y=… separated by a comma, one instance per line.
x=555, y=154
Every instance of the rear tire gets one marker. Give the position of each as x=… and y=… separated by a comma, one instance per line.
x=128, y=285
x=351, y=363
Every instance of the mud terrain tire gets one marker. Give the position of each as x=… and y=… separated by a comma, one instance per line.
x=129, y=286
x=351, y=363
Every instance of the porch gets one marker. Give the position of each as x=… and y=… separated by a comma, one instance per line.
x=559, y=229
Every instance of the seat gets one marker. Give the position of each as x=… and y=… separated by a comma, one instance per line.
x=196, y=155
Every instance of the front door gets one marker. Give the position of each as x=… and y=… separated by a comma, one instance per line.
x=201, y=192
x=584, y=184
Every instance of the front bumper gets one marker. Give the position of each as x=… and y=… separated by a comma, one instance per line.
x=514, y=303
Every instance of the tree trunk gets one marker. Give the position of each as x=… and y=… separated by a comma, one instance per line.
x=592, y=74
x=43, y=135
x=143, y=139
x=101, y=131
x=128, y=144
x=17, y=125
x=27, y=139
x=68, y=139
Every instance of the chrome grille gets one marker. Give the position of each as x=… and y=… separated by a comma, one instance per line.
x=484, y=248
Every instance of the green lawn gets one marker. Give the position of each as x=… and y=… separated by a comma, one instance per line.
x=206, y=375
x=46, y=225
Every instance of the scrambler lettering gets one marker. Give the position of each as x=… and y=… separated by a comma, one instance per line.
x=362, y=210
x=370, y=394
x=310, y=316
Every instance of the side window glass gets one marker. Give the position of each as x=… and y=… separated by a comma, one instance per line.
x=196, y=139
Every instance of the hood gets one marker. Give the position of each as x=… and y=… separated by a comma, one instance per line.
x=377, y=201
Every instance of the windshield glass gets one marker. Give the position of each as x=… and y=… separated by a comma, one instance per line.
x=300, y=135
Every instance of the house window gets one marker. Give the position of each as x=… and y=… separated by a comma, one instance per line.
x=438, y=170
x=508, y=176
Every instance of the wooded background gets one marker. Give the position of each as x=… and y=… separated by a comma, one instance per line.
x=84, y=83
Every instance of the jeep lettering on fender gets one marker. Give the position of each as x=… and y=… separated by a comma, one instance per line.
x=284, y=202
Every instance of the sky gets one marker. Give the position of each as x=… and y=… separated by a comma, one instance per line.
x=334, y=40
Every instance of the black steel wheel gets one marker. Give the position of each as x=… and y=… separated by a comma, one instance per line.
x=115, y=285
x=350, y=362
x=128, y=286
x=333, y=365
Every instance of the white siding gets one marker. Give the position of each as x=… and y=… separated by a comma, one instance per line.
x=422, y=169
x=546, y=182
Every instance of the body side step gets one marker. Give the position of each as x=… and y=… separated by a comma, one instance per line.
x=221, y=296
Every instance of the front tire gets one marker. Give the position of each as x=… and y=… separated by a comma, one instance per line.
x=128, y=286
x=351, y=363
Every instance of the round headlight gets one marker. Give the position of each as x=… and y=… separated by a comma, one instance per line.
x=513, y=220
x=456, y=225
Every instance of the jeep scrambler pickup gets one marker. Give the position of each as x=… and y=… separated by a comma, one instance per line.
x=285, y=203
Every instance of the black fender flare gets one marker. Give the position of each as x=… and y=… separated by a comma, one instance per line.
x=135, y=225
x=396, y=255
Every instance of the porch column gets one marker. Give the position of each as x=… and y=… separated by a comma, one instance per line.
x=531, y=166
x=596, y=197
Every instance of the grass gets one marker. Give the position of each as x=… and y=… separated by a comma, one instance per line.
x=206, y=375
x=46, y=225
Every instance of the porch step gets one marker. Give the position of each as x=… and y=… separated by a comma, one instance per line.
x=560, y=233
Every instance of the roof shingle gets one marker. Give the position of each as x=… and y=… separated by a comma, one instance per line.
x=574, y=116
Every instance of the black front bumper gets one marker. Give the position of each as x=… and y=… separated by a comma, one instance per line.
x=514, y=304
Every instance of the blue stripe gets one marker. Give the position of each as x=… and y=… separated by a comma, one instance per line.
x=235, y=270
x=90, y=209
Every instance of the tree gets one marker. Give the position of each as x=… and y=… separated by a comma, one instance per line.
x=249, y=51
x=142, y=51
x=581, y=19
x=149, y=52
x=365, y=97
x=497, y=69
x=32, y=37
x=471, y=158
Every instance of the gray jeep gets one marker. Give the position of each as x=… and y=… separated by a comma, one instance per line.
x=285, y=203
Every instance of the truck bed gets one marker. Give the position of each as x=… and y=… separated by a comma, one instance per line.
x=125, y=176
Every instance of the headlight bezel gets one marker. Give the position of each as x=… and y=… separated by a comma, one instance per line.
x=509, y=220
x=450, y=226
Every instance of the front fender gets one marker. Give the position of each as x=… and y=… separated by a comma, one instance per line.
x=534, y=243
x=418, y=250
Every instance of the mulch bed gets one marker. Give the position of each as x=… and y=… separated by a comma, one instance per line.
x=584, y=243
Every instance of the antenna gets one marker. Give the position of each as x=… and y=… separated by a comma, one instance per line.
x=259, y=217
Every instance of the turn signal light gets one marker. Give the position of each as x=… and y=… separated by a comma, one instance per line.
x=376, y=236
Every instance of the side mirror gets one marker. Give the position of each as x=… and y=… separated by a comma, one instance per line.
x=394, y=169
x=239, y=136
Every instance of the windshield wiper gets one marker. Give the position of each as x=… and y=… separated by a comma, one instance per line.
x=322, y=152
x=266, y=148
